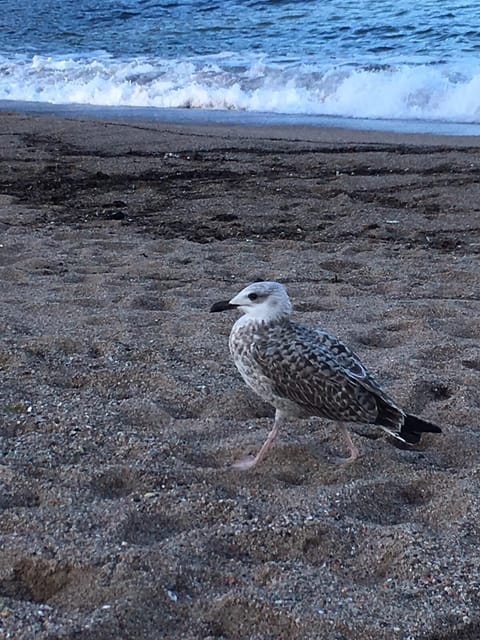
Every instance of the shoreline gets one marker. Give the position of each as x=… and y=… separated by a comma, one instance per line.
x=331, y=126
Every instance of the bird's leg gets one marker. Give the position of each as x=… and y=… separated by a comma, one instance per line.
x=251, y=461
x=354, y=452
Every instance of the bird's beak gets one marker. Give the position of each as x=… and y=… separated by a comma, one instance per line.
x=223, y=305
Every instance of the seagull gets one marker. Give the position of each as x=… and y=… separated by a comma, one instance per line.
x=303, y=371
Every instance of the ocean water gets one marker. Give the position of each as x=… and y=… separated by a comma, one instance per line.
x=397, y=61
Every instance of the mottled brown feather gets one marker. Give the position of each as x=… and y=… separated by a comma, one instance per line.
x=313, y=370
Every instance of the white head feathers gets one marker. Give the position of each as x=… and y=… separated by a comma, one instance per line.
x=263, y=301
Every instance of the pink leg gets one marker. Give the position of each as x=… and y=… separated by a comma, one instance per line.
x=353, y=450
x=251, y=461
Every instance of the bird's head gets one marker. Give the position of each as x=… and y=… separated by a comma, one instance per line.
x=263, y=301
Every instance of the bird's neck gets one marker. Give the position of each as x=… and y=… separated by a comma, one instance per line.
x=251, y=320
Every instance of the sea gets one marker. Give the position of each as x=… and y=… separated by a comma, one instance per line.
x=404, y=65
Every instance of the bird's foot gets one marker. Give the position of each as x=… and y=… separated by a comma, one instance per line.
x=352, y=448
x=248, y=462
x=354, y=455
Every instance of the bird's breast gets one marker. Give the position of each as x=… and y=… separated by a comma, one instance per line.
x=243, y=341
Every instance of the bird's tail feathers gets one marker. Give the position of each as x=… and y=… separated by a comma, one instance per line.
x=413, y=427
x=404, y=427
x=391, y=432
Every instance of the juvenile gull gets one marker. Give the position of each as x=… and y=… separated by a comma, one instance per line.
x=305, y=372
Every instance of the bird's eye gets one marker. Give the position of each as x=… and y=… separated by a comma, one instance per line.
x=252, y=296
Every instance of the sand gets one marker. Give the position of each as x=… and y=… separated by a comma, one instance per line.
x=121, y=410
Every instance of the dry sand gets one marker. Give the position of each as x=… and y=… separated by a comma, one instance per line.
x=121, y=410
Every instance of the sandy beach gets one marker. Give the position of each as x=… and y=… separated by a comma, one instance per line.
x=121, y=411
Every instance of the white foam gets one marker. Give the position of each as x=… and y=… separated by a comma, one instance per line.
x=446, y=92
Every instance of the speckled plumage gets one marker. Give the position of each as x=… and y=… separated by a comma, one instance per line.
x=303, y=371
x=307, y=372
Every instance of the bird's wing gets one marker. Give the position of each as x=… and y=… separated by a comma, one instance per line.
x=318, y=372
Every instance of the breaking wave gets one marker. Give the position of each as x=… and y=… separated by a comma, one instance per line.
x=415, y=90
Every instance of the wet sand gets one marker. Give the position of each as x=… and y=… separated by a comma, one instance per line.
x=121, y=410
